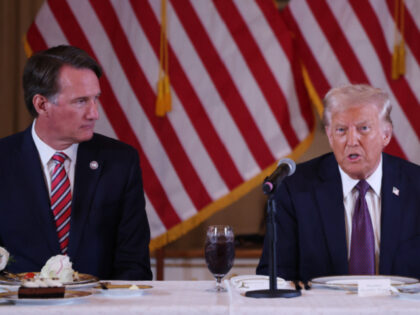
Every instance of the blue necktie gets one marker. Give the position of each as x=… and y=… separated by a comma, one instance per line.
x=362, y=249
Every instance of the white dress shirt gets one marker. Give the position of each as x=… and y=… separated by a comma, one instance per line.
x=373, y=200
x=46, y=153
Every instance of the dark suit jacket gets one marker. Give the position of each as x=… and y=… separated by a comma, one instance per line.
x=311, y=235
x=109, y=231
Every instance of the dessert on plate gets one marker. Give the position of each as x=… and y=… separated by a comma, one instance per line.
x=41, y=289
x=50, y=282
x=59, y=267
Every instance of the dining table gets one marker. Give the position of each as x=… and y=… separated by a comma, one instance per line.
x=196, y=297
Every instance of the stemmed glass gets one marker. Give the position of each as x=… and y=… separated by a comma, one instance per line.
x=219, y=252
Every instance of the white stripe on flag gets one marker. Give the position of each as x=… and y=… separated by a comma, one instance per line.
x=156, y=226
x=49, y=28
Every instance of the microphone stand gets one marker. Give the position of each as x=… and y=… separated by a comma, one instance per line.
x=272, y=292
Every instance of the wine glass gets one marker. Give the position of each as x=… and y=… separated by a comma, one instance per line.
x=219, y=252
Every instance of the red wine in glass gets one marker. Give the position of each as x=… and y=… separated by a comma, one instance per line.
x=219, y=252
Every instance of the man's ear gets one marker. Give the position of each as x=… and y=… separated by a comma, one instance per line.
x=40, y=104
x=328, y=132
x=387, y=134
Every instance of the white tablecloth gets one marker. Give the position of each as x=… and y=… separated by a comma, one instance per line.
x=166, y=297
x=191, y=297
x=321, y=301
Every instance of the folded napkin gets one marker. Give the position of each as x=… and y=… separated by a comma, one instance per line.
x=4, y=258
x=254, y=282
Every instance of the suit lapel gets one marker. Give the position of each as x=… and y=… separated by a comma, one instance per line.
x=85, y=182
x=391, y=213
x=29, y=170
x=329, y=193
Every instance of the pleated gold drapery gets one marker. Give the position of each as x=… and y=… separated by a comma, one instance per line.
x=15, y=18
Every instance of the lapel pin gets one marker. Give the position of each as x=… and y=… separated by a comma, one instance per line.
x=395, y=191
x=94, y=165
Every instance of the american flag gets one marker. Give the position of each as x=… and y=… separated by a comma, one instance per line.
x=238, y=99
x=353, y=41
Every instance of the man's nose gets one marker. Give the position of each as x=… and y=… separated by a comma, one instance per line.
x=93, y=110
x=352, y=137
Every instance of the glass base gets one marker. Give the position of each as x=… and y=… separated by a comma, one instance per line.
x=218, y=287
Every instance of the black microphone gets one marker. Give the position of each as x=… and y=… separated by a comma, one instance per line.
x=285, y=167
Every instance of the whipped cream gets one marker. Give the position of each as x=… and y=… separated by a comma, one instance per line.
x=4, y=258
x=58, y=267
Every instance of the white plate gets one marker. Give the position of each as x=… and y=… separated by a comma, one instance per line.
x=69, y=298
x=72, y=286
x=122, y=290
x=254, y=282
x=412, y=293
x=85, y=281
x=122, y=293
x=350, y=282
x=77, y=286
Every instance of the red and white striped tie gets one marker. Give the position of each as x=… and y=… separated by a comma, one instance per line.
x=61, y=200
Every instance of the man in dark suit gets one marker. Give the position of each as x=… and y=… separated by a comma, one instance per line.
x=319, y=231
x=65, y=189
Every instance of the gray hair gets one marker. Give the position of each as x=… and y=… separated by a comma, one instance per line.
x=343, y=97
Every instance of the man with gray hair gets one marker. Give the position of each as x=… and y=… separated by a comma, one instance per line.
x=356, y=210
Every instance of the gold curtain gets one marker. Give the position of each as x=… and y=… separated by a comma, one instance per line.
x=15, y=19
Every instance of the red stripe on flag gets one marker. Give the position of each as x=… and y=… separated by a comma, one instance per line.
x=258, y=66
x=279, y=29
x=190, y=101
x=152, y=186
x=146, y=97
x=303, y=97
x=395, y=149
x=35, y=39
x=223, y=82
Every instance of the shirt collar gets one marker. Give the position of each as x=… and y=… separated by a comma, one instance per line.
x=374, y=180
x=46, y=152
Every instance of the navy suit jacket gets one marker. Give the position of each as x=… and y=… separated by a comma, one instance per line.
x=311, y=234
x=109, y=231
